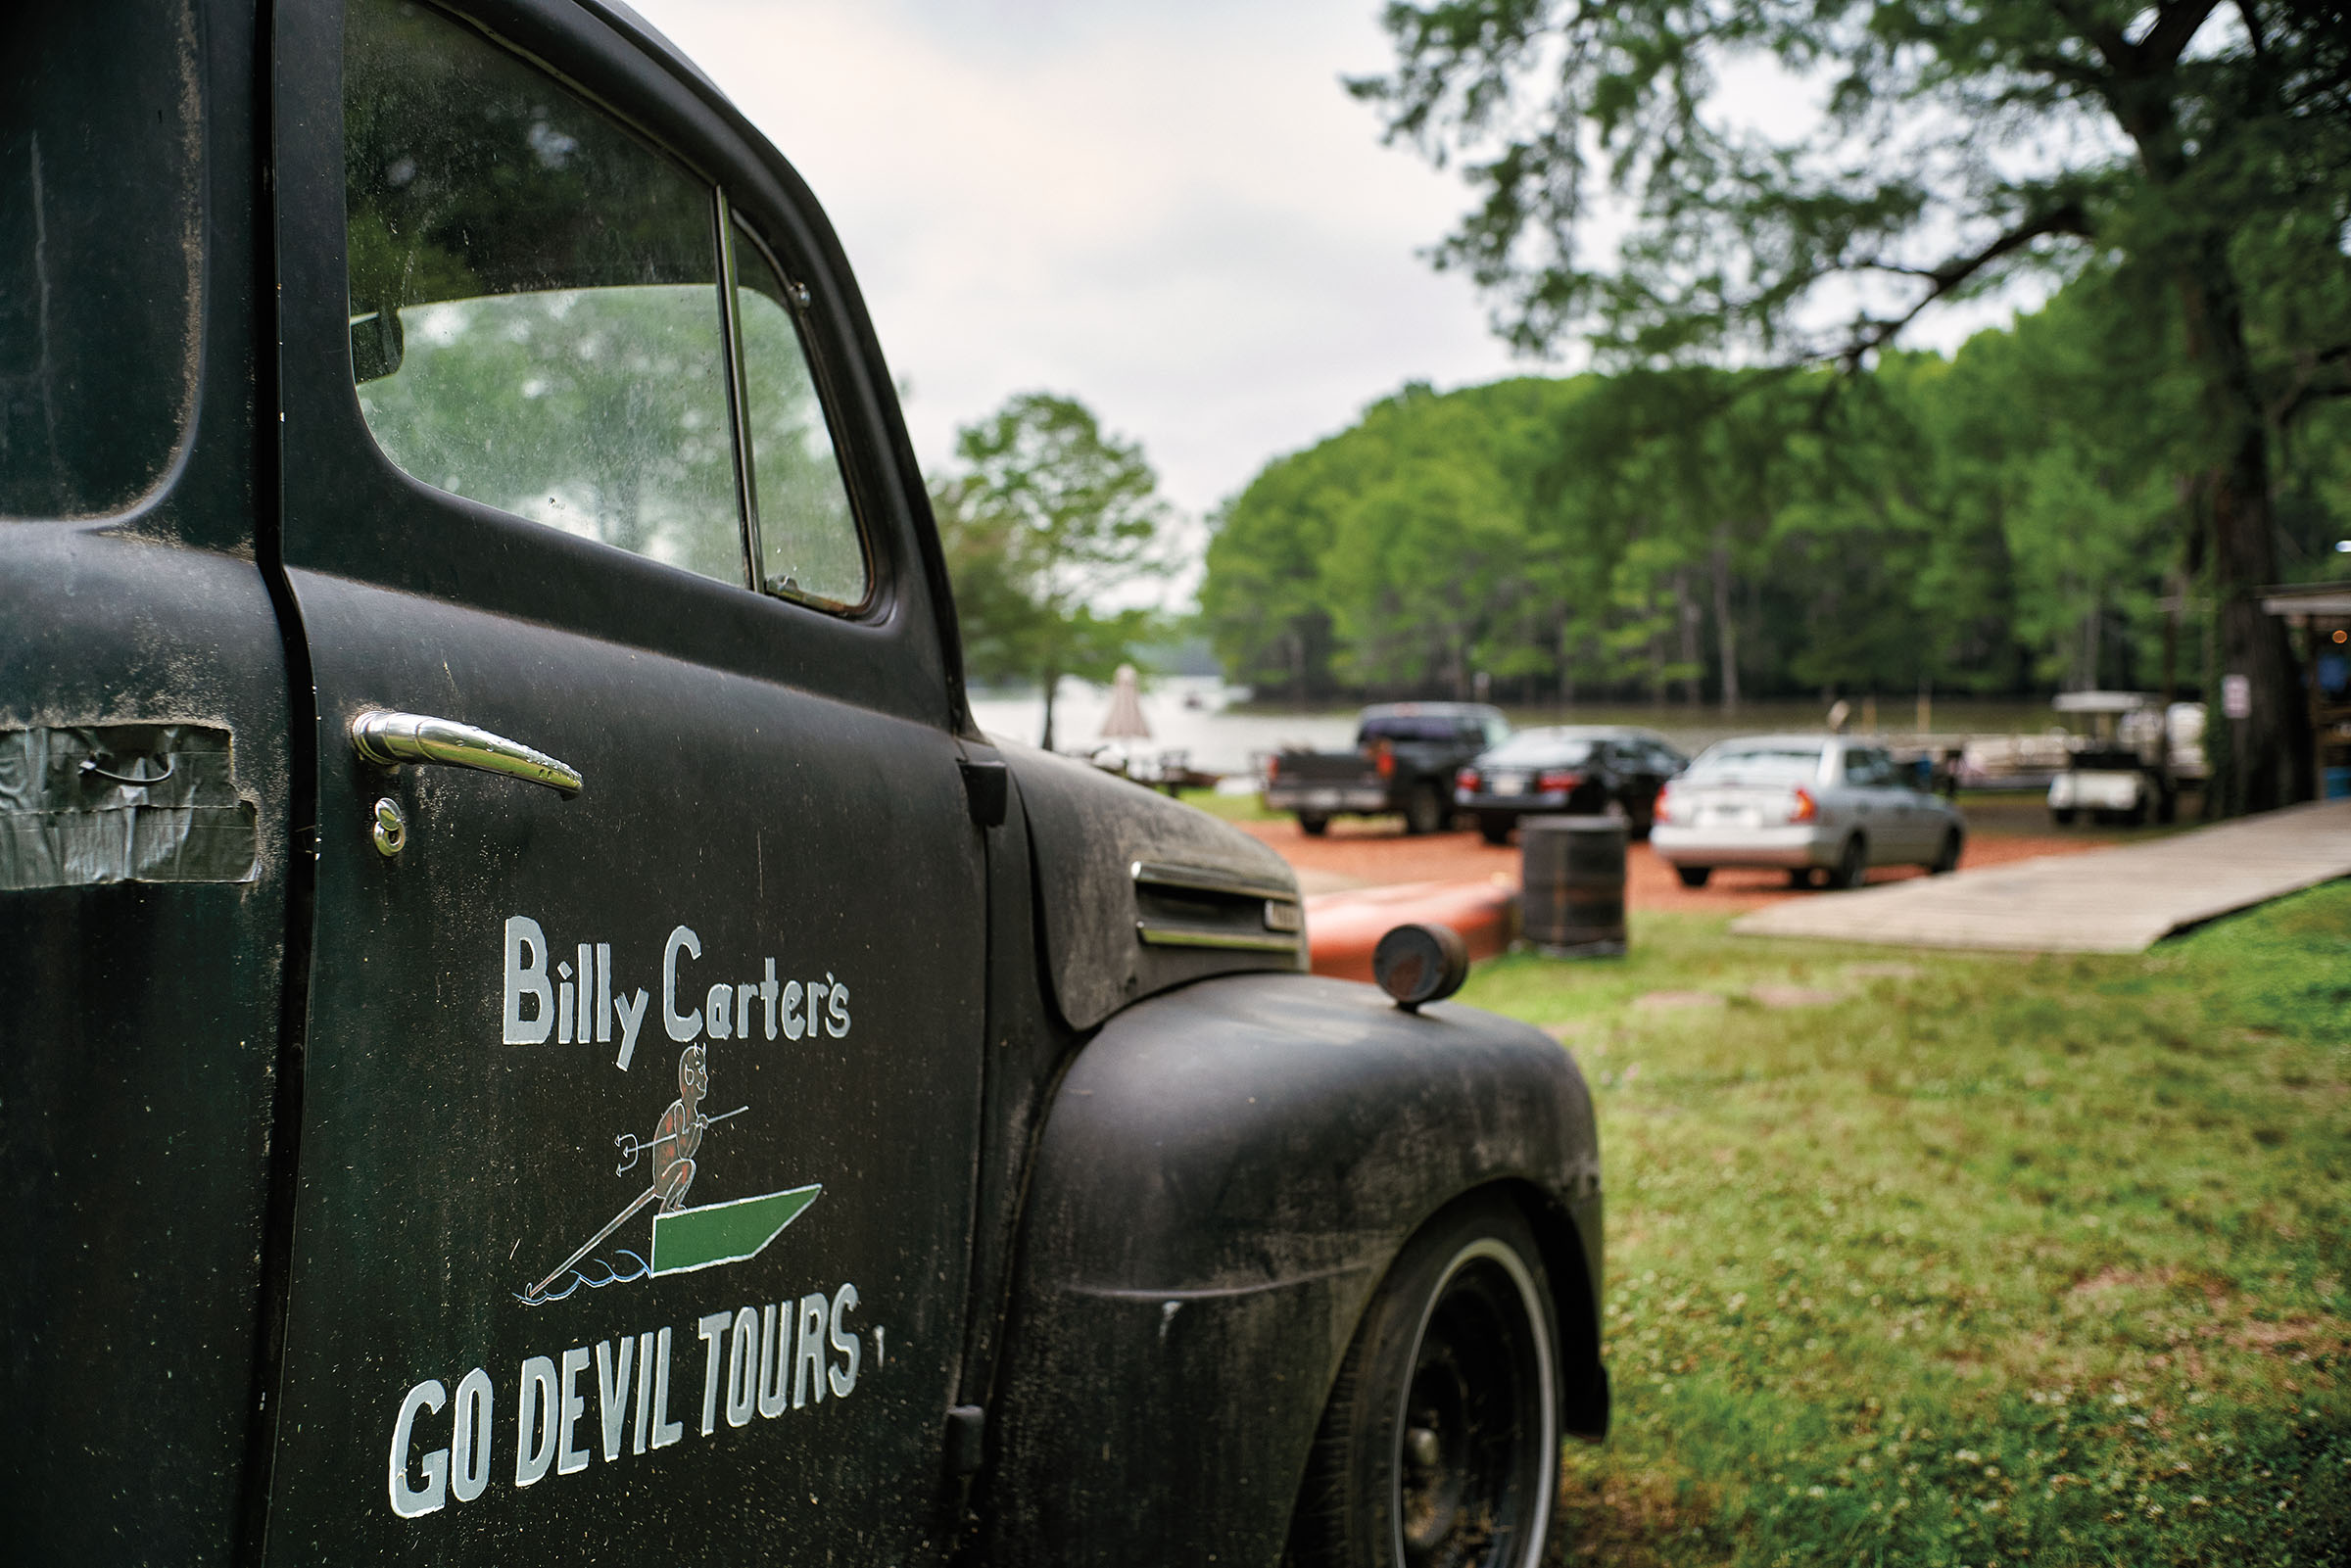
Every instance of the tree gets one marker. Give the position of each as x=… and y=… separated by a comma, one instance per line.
x=1995, y=522
x=2060, y=433
x=1047, y=516
x=1263, y=600
x=2206, y=149
x=1397, y=555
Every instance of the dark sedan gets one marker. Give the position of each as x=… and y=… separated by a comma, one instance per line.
x=1577, y=769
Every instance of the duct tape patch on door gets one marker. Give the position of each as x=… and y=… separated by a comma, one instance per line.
x=84, y=804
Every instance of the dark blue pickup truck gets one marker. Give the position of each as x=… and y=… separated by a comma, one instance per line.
x=1403, y=762
x=538, y=1030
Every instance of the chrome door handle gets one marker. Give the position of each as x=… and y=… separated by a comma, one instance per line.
x=388, y=740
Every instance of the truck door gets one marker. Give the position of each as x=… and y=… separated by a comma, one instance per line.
x=640, y=1103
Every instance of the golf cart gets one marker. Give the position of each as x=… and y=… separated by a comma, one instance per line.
x=2122, y=770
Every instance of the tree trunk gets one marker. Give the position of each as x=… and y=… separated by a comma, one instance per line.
x=1726, y=627
x=1052, y=679
x=2173, y=600
x=2270, y=748
x=1687, y=613
x=2086, y=665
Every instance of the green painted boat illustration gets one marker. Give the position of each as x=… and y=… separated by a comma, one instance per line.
x=684, y=1238
x=704, y=1237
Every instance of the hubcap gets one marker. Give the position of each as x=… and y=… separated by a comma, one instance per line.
x=1476, y=1448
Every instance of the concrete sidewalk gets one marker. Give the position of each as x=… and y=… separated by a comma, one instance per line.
x=2108, y=901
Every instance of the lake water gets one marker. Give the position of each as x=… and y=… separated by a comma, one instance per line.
x=1186, y=713
x=1194, y=714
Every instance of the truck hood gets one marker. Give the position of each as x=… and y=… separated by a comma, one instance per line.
x=1137, y=893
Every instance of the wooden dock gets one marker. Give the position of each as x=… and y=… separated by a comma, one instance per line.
x=2120, y=900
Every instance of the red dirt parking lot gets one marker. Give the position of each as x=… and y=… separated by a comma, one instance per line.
x=1365, y=852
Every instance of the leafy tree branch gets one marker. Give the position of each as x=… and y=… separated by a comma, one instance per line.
x=2199, y=147
x=1044, y=517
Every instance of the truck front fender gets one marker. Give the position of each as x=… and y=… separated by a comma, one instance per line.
x=1225, y=1175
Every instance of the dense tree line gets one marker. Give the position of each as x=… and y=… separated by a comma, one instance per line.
x=2006, y=520
x=2199, y=151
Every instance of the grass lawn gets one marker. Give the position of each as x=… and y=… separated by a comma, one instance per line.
x=1999, y=1260
x=1250, y=807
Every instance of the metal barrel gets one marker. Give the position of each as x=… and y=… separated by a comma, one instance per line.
x=1571, y=897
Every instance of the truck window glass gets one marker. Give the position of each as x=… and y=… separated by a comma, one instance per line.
x=535, y=314
x=1400, y=727
x=99, y=239
x=809, y=541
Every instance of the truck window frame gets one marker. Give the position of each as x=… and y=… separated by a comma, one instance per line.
x=722, y=230
x=894, y=654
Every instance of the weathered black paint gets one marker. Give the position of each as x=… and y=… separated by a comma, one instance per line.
x=1090, y=829
x=139, y=1038
x=780, y=781
x=99, y=274
x=135, y=1073
x=1225, y=1174
x=266, y=1164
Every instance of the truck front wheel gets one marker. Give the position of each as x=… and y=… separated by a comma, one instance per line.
x=1441, y=1441
x=1423, y=810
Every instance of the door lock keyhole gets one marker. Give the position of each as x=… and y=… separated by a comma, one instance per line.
x=391, y=828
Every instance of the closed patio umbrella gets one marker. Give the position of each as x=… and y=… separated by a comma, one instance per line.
x=1124, y=719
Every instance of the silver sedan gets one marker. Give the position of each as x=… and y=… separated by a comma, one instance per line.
x=1807, y=804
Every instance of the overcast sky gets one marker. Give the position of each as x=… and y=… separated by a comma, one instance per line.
x=1171, y=210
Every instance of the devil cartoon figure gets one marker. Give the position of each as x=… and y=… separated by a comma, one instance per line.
x=680, y=1131
x=676, y=1139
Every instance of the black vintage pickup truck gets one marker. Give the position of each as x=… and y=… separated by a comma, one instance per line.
x=537, y=1028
